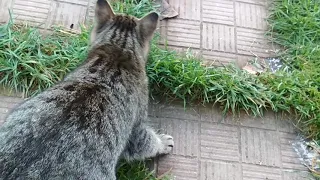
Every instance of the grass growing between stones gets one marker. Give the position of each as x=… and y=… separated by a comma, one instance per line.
x=31, y=63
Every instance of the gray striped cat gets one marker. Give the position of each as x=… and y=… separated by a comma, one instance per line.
x=82, y=126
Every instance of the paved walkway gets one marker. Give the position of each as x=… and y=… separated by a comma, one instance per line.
x=207, y=147
x=220, y=31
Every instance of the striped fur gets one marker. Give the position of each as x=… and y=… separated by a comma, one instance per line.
x=82, y=126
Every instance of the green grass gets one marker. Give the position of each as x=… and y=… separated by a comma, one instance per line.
x=31, y=63
x=295, y=25
x=184, y=77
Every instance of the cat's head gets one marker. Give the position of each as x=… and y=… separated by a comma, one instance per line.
x=123, y=31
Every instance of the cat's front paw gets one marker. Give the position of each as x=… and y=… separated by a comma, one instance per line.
x=167, y=143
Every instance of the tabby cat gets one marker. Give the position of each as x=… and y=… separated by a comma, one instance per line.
x=82, y=126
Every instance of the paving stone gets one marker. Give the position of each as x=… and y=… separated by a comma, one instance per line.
x=258, y=2
x=215, y=170
x=66, y=14
x=185, y=134
x=187, y=9
x=255, y=172
x=177, y=111
x=206, y=112
x=215, y=114
x=285, y=123
x=290, y=159
x=219, y=142
x=4, y=110
x=185, y=33
x=218, y=37
x=154, y=123
x=217, y=11
x=250, y=15
x=9, y=99
x=7, y=105
x=261, y=147
x=266, y=122
x=296, y=175
x=4, y=10
x=253, y=43
x=181, y=168
x=219, y=58
x=34, y=12
x=153, y=108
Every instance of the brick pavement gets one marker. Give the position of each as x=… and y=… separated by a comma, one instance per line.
x=210, y=147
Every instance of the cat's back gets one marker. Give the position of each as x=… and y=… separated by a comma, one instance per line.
x=70, y=126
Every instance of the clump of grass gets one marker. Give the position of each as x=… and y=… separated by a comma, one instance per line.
x=184, y=77
x=136, y=171
x=295, y=25
x=30, y=63
x=137, y=8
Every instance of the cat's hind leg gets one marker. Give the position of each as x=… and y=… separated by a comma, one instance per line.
x=145, y=143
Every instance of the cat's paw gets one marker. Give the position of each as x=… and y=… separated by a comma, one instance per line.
x=167, y=143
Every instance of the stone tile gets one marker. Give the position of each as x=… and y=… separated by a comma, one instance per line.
x=266, y=122
x=296, y=175
x=258, y=2
x=184, y=33
x=285, y=123
x=208, y=112
x=217, y=11
x=253, y=43
x=153, y=108
x=251, y=16
x=290, y=159
x=4, y=110
x=219, y=142
x=154, y=122
x=261, y=147
x=162, y=30
x=220, y=171
x=91, y=11
x=218, y=37
x=219, y=58
x=185, y=134
x=34, y=12
x=5, y=5
x=9, y=99
x=184, y=50
x=255, y=172
x=65, y=14
x=181, y=168
x=8, y=104
x=187, y=9
x=177, y=111
x=77, y=2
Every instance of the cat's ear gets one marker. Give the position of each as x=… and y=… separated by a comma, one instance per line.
x=148, y=24
x=103, y=12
